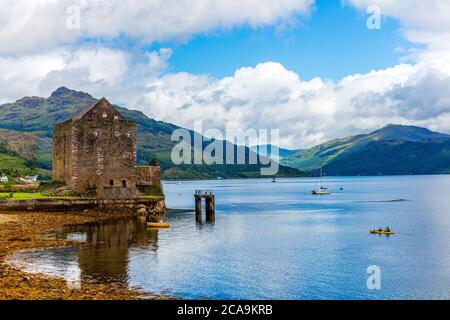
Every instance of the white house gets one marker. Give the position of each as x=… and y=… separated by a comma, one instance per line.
x=29, y=179
x=3, y=179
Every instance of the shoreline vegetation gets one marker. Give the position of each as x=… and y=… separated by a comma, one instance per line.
x=25, y=231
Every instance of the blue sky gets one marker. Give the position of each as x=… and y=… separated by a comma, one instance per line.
x=332, y=43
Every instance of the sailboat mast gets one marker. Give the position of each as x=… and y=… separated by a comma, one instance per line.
x=320, y=179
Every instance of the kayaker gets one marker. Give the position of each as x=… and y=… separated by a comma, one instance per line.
x=380, y=230
x=387, y=229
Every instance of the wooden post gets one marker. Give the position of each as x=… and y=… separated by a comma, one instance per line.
x=209, y=205
x=210, y=208
x=198, y=208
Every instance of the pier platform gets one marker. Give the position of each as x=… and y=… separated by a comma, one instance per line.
x=210, y=209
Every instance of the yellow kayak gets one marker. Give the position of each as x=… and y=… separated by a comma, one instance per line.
x=381, y=232
x=158, y=225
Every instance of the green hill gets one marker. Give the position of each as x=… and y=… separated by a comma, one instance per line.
x=394, y=149
x=13, y=165
x=28, y=125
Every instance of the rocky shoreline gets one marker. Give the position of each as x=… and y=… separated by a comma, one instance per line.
x=24, y=231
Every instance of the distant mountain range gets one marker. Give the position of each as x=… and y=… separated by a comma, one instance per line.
x=26, y=138
x=392, y=150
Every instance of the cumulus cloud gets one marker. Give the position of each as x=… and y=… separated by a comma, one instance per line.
x=82, y=68
x=306, y=112
x=424, y=97
x=29, y=26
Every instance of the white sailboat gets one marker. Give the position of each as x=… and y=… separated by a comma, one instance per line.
x=321, y=190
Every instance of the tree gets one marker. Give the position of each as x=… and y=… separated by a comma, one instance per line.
x=154, y=162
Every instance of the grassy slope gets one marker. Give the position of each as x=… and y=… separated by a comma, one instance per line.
x=391, y=157
x=391, y=150
x=319, y=156
x=10, y=164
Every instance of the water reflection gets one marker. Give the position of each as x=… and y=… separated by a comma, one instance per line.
x=104, y=257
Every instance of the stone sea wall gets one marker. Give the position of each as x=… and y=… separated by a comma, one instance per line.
x=154, y=207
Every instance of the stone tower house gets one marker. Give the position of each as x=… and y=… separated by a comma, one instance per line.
x=95, y=152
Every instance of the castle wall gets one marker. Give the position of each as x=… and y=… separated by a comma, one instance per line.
x=62, y=151
x=105, y=152
x=148, y=176
x=118, y=193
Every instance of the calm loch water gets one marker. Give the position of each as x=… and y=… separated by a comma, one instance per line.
x=274, y=241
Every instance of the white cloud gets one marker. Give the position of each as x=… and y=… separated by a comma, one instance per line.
x=30, y=26
x=83, y=68
x=158, y=60
x=306, y=112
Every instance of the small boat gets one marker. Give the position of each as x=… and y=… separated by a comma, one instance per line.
x=381, y=232
x=322, y=190
x=158, y=225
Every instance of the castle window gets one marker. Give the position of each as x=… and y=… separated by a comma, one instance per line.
x=116, y=117
x=91, y=141
x=111, y=183
x=124, y=183
x=105, y=115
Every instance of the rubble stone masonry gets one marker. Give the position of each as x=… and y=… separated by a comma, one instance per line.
x=94, y=152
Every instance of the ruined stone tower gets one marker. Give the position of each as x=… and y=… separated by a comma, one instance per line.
x=95, y=152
